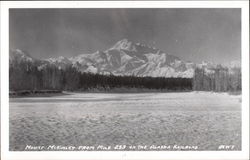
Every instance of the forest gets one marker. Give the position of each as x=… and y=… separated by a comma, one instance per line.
x=221, y=79
x=28, y=76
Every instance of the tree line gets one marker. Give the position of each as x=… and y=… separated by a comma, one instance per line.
x=28, y=76
x=220, y=79
x=31, y=76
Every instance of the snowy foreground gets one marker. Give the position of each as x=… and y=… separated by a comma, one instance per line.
x=137, y=121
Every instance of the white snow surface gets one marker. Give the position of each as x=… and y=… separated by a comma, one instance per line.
x=203, y=119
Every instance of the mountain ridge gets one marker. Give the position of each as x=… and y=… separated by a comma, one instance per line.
x=123, y=58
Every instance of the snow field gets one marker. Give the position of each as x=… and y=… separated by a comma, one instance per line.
x=202, y=119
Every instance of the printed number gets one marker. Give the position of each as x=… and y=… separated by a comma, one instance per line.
x=226, y=147
x=120, y=147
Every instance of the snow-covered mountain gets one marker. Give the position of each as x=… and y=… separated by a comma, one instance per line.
x=128, y=58
x=19, y=56
x=124, y=58
x=61, y=62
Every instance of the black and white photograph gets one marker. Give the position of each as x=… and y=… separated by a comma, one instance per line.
x=125, y=79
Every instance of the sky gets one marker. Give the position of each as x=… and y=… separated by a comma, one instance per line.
x=201, y=34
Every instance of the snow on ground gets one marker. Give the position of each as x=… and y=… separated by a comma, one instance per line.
x=202, y=119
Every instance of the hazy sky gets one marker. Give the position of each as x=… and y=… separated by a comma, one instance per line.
x=191, y=34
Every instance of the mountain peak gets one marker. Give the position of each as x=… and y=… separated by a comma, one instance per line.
x=60, y=59
x=124, y=40
x=124, y=44
x=19, y=52
x=20, y=55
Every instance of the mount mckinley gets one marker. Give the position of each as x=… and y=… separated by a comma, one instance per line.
x=124, y=58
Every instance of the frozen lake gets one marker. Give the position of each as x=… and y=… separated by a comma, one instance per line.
x=202, y=119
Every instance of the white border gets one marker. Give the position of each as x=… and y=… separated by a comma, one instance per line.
x=174, y=155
